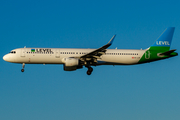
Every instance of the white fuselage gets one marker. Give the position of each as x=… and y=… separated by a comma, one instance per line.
x=73, y=59
x=56, y=55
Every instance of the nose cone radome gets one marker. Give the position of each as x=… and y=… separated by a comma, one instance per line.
x=5, y=57
x=8, y=58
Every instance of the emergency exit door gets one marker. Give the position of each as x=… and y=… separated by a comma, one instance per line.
x=57, y=55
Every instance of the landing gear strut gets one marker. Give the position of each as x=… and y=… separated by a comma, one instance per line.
x=23, y=65
x=90, y=69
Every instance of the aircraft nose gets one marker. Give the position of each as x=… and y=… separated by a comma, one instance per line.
x=9, y=58
x=5, y=58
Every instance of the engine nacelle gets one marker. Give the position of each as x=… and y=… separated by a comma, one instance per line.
x=70, y=68
x=71, y=64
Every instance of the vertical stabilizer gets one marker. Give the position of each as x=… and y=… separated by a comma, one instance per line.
x=164, y=40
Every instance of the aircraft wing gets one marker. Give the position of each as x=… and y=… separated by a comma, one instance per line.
x=98, y=52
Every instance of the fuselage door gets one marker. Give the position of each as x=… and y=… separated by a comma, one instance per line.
x=23, y=52
x=57, y=55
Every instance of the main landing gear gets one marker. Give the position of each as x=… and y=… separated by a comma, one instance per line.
x=90, y=69
x=23, y=65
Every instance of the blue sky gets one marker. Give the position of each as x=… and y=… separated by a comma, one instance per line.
x=140, y=92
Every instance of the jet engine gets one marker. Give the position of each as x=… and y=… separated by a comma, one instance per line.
x=71, y=64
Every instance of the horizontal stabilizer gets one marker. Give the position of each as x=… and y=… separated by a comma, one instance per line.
x=168, y=52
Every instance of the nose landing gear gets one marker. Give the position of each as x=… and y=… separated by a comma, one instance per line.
x=23, y=65
x=90, y=69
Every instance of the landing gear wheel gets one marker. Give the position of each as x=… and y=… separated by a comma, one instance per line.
x=90, y=69
x=89, y=72
x=23, y=65
x=22, y=70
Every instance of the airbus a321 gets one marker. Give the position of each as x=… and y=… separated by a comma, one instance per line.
x=73, y=59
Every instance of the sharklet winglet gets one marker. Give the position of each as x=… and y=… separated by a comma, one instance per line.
x=112, y=39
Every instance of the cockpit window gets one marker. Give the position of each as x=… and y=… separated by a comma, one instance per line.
x=13, y=52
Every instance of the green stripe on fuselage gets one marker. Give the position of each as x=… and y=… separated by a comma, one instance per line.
x=159, y=48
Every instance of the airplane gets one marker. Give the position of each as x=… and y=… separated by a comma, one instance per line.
x=73, y=59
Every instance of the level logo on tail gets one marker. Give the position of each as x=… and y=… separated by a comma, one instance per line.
x=164, y=40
